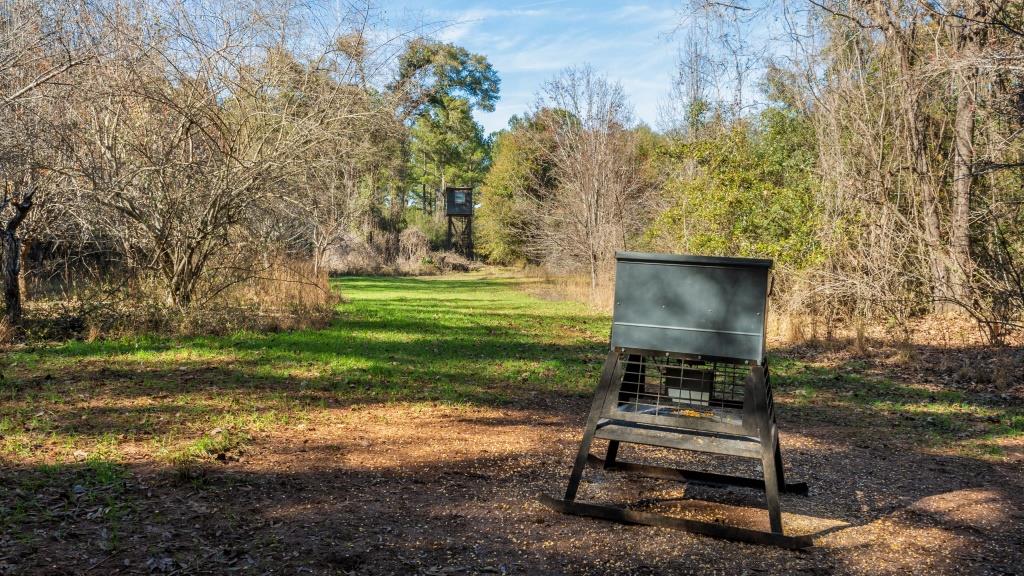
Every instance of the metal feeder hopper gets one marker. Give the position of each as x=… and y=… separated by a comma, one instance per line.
x=687, y=369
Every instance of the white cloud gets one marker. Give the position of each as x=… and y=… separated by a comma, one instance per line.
x=463, y=23
x=547, y=56
x=646, y=13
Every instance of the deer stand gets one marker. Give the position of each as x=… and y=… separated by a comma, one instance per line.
x=661, y=396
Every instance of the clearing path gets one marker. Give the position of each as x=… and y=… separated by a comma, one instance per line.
x=413, y=435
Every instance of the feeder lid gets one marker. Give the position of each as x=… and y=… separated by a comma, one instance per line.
x=702, y=305
x=692, y=260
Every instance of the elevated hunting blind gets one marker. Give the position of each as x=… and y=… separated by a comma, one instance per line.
x=459, y=210
x=459, y=201
x=687, y=370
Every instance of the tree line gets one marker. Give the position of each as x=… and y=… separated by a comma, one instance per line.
x=171, y=151
x=181, y=148
x=875, y=154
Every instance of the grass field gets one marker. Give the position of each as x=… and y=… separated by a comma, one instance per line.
x=106, y=447
x=466, y=341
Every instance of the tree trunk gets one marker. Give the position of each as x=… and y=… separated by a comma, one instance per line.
x=441, y=199
x=938, y=265
x=181, y=294
x=923, y=182
x=963, y=181
x=12, y=256
x=927, y=189
x=26, y=247
x=11, y=271
x=969, y=38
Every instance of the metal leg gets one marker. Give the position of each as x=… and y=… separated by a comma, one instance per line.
x=778, y=445
x=581, y=463
x=771, y=487
x=759, y=423
x=769, y=445
x=607, y=375
x=781, y=475
x=613, y=451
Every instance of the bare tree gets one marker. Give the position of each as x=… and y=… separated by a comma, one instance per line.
x=38, y=46
x=689, y=102
x=598, y=200
x=904, y=161
x=187, y=129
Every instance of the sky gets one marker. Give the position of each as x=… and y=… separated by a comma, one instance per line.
x=529, y=41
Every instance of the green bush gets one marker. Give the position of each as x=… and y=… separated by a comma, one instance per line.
x=745, y=189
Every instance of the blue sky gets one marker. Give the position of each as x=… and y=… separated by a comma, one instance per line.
x=529, y=41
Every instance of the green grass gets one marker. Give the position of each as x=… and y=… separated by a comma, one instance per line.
x=464, y=340
x=850, y=396
x=456, y=340
x=460, y=340
x=71, y=412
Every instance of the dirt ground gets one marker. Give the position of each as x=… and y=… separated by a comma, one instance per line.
x=410, y=490
x=118, y=461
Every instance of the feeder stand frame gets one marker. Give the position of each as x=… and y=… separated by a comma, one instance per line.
x=687, y=369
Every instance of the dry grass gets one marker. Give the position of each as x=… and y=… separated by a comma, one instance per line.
x=788, y=327
x=285, y=295
x=941, y=331
x=7, y=332
x=285, y=284
x=947, y=348
x=413, y=261
x=795, y=328
x=447, y=262
x=573, y=288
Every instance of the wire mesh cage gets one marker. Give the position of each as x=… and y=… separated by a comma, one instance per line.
x=666, y=386
x=681, y=392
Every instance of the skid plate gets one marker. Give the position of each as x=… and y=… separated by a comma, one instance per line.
x=712, y=529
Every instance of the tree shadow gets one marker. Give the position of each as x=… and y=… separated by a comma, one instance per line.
x=456, y=492
x=334, y=506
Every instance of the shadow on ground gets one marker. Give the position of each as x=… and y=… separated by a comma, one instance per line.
x=372, y=500
x=414, y=434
